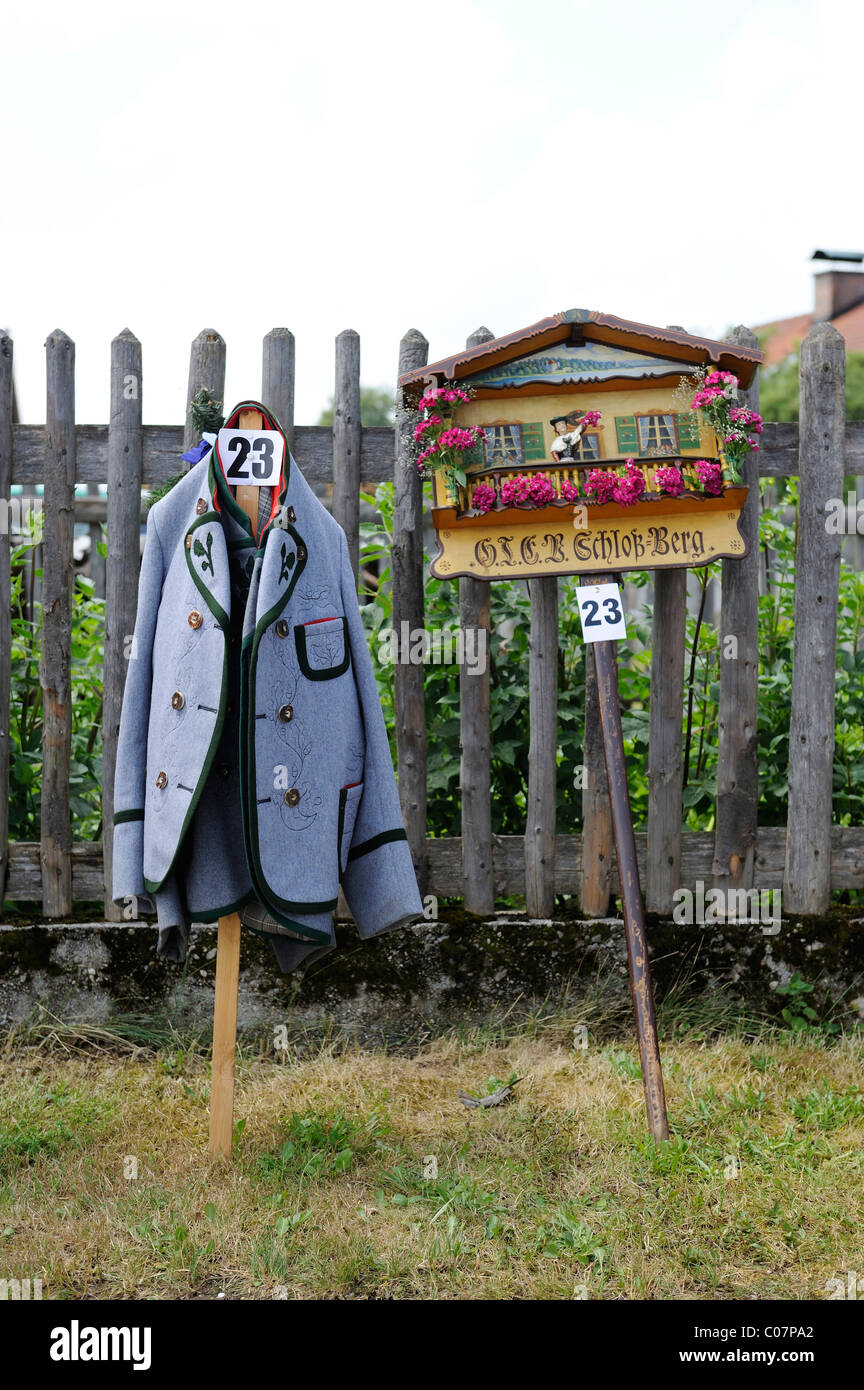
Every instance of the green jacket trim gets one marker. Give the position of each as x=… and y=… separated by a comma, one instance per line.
x=120, y=817
x=276, y=906
x=213, y=914
x=386, y=837
x=215, y=607
x=151, y=886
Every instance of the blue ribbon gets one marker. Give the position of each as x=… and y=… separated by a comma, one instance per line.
x=196, y=455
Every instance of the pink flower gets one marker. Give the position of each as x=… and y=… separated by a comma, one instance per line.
x=710, y=476
x=629, y=488
x=669, y=480
x=425, y=424
x=541, y=489
x=569, y=490
x=483, y=497
x=600, y=483
x=514, y=490
x=456, y=438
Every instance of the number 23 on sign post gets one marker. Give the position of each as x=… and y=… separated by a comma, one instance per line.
x=601, y=612
x=251, y=458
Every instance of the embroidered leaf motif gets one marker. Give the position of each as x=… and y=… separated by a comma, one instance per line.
x=250, y=565
x=199, y=549
x=287, y=562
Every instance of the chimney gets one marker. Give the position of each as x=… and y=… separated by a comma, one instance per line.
x=834, y=291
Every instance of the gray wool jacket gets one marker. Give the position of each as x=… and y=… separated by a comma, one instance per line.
x=253, y=768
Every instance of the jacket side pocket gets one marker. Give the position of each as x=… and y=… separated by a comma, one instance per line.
x=349, y=804
x=322, y=648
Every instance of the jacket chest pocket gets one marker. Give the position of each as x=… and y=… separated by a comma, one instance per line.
x=349, y=804
x=322, y=648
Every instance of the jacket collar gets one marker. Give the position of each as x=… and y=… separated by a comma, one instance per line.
x=280, y=546
x=220, y=491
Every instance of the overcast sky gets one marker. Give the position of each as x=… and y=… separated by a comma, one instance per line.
x=381, y=166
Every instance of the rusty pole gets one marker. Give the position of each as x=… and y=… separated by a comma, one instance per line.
x=606, y=663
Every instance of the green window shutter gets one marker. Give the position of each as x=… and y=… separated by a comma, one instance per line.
x=688, y=430
x=625, y=433
x=533, y=443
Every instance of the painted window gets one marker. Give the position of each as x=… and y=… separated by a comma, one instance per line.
x=657, y=435
x=511, y=446
x=588, y=447
x=653, y=436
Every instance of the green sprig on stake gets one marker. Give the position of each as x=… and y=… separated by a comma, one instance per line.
x=206, y=412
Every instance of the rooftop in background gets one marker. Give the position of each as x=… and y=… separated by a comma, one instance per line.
x=838, y=298
x=669, y=348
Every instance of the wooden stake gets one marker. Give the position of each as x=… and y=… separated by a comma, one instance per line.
x=224, y=1035
x=228, y=940
x=606, y=662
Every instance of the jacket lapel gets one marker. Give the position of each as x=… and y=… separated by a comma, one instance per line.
x=207, y=558
x=285, y=558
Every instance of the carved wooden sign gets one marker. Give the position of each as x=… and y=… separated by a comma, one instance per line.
x=595, y=540
x=589, y=458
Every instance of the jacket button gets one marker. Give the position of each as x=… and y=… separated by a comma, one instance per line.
x=282, y=628
x=301, y=552
x=188, y=542
x=292, y=515
x=200, y=506
x=194, y=619
x=286, y=714
x=162, y=780
x=292, y=796
x=223, y=769
x=177, y=700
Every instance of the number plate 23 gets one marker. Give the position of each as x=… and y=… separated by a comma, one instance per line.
x=602, y=612
x=251, y=458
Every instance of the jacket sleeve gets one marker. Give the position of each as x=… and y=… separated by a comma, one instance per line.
x=131, y=768
x=379, y=882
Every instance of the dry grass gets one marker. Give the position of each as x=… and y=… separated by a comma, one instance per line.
x=331, y=1192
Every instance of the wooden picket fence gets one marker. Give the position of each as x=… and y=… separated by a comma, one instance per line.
x=807, y=858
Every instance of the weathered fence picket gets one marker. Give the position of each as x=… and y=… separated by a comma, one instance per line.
x=206, y=369
x=277, y=378
x=540, y=822
x=809, y=857
x=55, y=656
x=598, y=852
x=406, y=564
x=475, y=737
x=346, y=442
x=665, y=757
x=807, y=880
x=123, y=549
x=738, y=714
x=7, y=416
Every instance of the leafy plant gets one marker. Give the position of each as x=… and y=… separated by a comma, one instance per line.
x=25, y=727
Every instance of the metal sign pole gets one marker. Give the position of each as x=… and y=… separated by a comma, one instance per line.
x=606, y=663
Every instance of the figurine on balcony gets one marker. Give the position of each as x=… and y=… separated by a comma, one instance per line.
x=569, y=430
x=568, y=434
